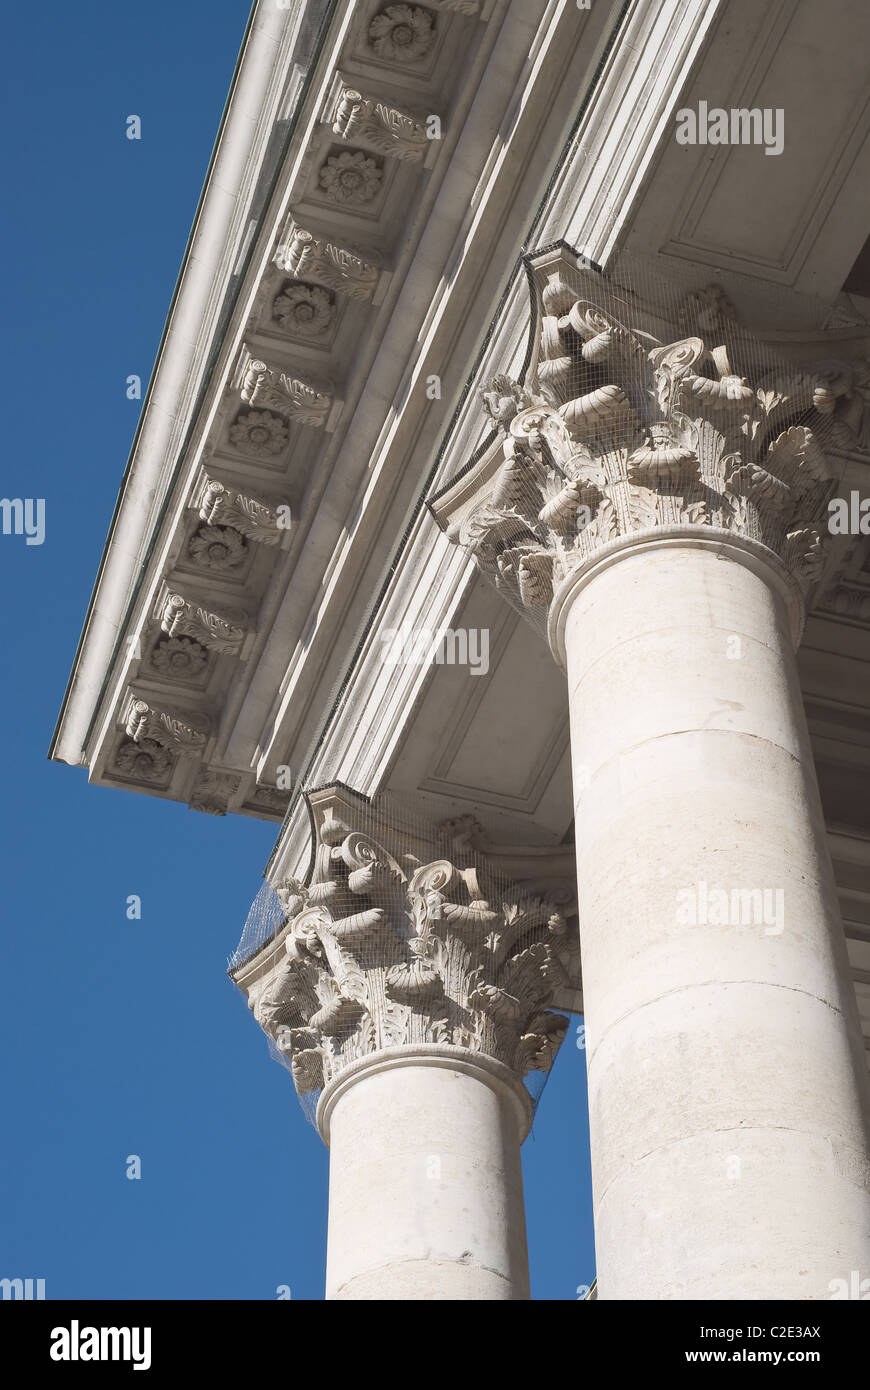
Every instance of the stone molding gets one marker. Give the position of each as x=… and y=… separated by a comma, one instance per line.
x=393, y=943
x=484, y=1068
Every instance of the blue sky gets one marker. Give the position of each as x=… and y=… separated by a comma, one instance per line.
x=125, y=1037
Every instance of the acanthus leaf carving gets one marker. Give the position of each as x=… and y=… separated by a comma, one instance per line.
x=269, y=387
x=614, y=432
x=340, y=268
x=381, y=950
x=387, y=129
x=220, y=632
x=222, y=506
x=144, y=722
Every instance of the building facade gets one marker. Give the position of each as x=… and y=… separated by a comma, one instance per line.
x=498, y=525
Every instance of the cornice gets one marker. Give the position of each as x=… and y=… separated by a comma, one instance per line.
x=207, y=279
x=277, y=394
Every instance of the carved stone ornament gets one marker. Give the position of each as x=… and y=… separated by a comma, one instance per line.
x=145, y=723
x=384, y=948
x=617, y=434
x=269, y=387
x=212, y=792
x=402, y=34
x=179, y=658
x=339, y=267
x=270, y=799
x=217, y=547
x=305, y=311
x=144, y=761
x=386, y=128
x=351, y=178
x=184, y=617
x=243, y=515
x=259, y=433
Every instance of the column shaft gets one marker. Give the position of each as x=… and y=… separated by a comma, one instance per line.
x=727, y=1085
x=425, y=1182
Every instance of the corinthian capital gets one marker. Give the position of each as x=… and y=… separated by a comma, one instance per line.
x=389, y=944
x=617, y=433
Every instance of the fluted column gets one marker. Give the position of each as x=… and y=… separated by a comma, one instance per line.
x=408, y=992
x=659, y=510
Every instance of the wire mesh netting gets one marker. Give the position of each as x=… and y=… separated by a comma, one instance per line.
x=404, y=936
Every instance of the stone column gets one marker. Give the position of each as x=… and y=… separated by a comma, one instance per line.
x=727, y=1089
x=425, y=1180
x=662, y=512
x=408, y=992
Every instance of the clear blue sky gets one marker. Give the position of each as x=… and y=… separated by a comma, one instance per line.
x=123, y=1037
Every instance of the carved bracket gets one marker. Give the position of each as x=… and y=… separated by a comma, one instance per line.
x=181, y=732
x=387, y=129
x=218, y=504
x=184, y=617
x=270, y=388
x=338, y=267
